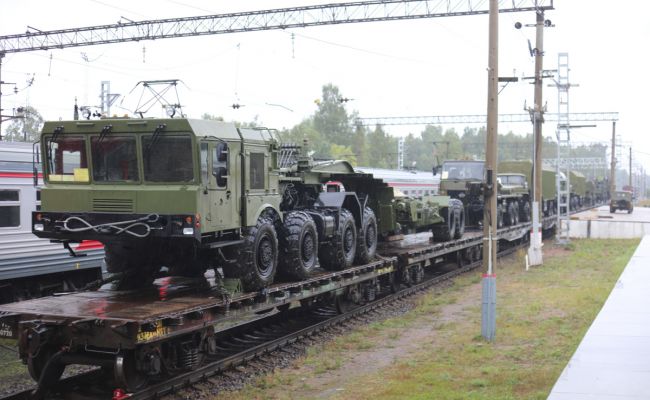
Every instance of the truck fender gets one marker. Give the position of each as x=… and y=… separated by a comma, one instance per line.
x=270, y=210
x=347, y=200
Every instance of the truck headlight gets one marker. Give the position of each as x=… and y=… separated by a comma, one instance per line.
x=188, y=231
x=39, y=227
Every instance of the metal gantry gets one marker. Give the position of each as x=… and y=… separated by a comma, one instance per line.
x=563, y=132
x=479, y=119
x=281, y=18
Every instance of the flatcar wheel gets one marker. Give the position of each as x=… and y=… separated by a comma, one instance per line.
x=126, y=375
x=344, y=305
x=45, y=362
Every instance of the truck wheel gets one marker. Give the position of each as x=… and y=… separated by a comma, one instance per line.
x=298, y=242
x=460, y=221
x=446, y=230
x=508, y=216
x=339, y=253
x=629, y=210
x=258, y=256
x=612, y=210
x=500, y=216
x=134, y=263
x=525, y=212
x=367, y=238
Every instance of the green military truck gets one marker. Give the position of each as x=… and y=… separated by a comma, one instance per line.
x=621, y=200
x=578, y=190
x=195, y=194
x=465, y=180
x=549, y=188
x=515, y=185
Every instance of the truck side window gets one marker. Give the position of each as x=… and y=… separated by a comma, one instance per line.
x=256, y=175
x=220, y=164
x=204, y=164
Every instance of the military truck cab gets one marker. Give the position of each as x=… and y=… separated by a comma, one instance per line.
x=155, y=192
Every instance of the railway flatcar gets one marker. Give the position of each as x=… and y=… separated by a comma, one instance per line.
x=29, y=266
x=410, y=183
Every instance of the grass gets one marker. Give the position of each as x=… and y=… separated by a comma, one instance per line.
x=542, y=315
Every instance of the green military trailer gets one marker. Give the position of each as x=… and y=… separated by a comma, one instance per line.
x=190, y=195
x=549, y=188
x=621, y=200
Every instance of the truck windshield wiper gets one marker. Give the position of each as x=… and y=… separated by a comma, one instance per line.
x=105, y=131
x=156, y=136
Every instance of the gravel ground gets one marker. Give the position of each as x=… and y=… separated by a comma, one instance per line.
x=237, y=378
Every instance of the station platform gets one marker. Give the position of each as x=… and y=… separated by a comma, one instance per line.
x=599, y=223
x=613, y=359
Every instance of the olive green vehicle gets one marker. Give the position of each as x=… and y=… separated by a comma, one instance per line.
x=578, y=190
x=621, y=200
x=549, y=188
x=515, y=185
x=465, y=180
x=190, y=195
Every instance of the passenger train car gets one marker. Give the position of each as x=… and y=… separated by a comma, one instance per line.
x=410, y=183
x=29, y=266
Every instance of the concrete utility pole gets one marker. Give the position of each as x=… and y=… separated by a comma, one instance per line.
x=612, y=178
x=535, y=249
x=488, y=318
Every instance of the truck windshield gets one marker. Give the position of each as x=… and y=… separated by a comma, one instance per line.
x=167, y=158
x=66, y=159
x=462, y=170
x=114, y=159
x=512, y=180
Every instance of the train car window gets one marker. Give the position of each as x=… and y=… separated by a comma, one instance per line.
x=9, y=208
x=256, y=175
x=67, y=160
x=168, y=158
x=115, y=159
x=9, y=195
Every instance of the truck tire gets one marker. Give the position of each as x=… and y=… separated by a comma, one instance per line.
x=367, y=238
x=511, y=215
x=460, y=220
x=136, y=264
x=446, y=230
x=612, y=210
x=298, y=242
x=339, y=253
x=500, y=216
x=525, y=212
x=258, y=256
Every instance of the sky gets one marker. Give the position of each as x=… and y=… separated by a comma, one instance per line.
x=432, y=66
